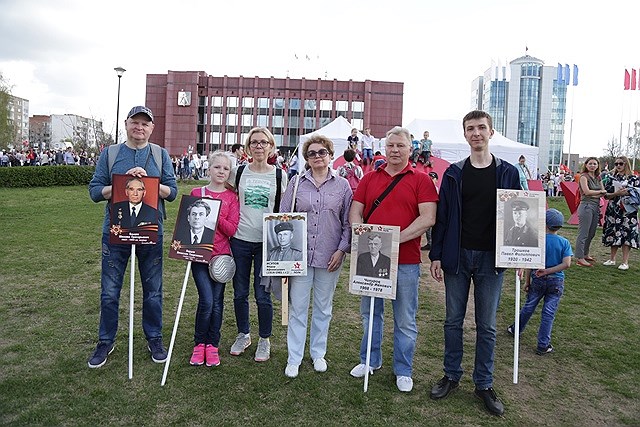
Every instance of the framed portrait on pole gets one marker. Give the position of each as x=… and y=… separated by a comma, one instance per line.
x=134, y=209
x=195, y=229
x=520, y=229
x=374, y=260
x=284, y=252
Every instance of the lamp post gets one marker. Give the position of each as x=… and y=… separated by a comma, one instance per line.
x=119, y=71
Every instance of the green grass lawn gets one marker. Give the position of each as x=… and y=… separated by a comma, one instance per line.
x=49, y=312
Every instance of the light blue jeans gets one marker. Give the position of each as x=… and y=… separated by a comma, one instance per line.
x=323, y=283
x=405, y=330
x=550, y=289
x=487, y=286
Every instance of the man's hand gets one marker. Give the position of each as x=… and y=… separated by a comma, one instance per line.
x=138, y=172
x=436, y=271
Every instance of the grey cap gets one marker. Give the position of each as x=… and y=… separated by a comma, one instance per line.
x=555, y=219
x=140, y=109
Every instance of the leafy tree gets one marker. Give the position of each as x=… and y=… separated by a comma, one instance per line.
x=7, y=129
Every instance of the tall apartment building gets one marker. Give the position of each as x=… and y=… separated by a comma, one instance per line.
x=58, y=131
x=194, y=109
x=18, y=109
x=527, y=103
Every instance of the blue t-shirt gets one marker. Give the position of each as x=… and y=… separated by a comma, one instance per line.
x=557, y=247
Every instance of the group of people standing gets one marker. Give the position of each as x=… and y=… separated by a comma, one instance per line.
x=462, y=250
x=620, y=228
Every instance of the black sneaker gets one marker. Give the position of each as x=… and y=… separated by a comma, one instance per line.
x=443, y=388
x=158, y=352
x=491, y=401
x=541, y=351
x=99, y=358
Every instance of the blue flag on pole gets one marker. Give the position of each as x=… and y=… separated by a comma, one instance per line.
x=567, y=72
x=575, y=75
x=559, y=78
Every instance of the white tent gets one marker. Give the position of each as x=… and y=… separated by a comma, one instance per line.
x=337, y=131
x=450, y=145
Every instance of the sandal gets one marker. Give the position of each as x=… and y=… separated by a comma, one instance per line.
x=590, y=258
x=583, y=263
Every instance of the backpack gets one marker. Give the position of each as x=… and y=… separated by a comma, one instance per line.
x=352, y=178
x=276, y=205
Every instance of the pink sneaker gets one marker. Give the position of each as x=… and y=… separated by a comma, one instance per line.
x=212, y=356
x=197, y=358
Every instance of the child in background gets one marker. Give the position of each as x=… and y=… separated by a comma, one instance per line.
x=210, y=292
x=547, y=283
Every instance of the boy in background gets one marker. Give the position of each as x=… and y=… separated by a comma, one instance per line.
x=547, y=283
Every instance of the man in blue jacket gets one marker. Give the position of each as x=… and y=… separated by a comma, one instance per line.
x=463, y=248
x=135, y=158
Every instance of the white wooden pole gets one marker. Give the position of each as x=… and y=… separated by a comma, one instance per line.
x=368, y=360
x=516, y=330
x=175, y=324
x=131, y=295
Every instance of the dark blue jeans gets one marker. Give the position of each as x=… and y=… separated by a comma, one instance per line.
x=550, y=289
x=487, y=286
x=210, y=306
x=114, y=263
x=245, y=253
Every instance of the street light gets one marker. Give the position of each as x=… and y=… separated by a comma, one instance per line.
x=119, y=71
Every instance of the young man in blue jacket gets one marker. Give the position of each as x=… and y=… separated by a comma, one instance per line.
x=463, y=248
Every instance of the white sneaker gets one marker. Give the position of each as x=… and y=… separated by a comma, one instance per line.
x=291, y=371
x=359, y=370
x=241, y=343
x=320, y=365
x=609, y=262
x=623, y=266
x=263, y=352
x=404, y=384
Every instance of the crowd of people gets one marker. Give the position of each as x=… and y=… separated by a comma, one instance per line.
x=34, y=157
x=459, y=215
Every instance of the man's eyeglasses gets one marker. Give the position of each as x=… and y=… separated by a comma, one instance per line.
x=262, y=143
x=319, y=153
x=619, y=164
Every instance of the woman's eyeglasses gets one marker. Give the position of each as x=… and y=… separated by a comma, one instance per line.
x=262, y=143
x=319, y=153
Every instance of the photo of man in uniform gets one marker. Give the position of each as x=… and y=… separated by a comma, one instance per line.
x=133, y=212
x=522, y=233
x=374, y=263
x=284, y=251
x=197, y=232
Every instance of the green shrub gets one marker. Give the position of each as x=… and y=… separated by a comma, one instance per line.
x=45, y=176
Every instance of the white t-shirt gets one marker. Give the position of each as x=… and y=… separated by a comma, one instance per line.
x=257, y=194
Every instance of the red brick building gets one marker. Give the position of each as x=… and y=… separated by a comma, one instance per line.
x=206, y=112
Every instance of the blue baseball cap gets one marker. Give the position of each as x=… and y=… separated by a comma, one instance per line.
x=140, y=109
x=555, y=219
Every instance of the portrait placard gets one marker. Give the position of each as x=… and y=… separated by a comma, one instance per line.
x=520, y=229
x=195, y=229
x=374, y=260
x=134, y=210
x=284, y=251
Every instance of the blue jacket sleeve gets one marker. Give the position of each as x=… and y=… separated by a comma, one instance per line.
x=168, y=177
x=101, y=178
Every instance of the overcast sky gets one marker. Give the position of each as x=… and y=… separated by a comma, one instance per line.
x=60, y=54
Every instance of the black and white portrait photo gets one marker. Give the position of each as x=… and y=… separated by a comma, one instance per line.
x=285, y=244
x=195, y=229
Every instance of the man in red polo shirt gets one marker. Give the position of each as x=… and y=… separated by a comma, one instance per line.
x=411, y=205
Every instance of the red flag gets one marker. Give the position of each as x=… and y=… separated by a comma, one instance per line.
x=627, y=80
x=633, y=79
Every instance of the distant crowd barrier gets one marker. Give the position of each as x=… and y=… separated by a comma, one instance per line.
x=45, y=176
